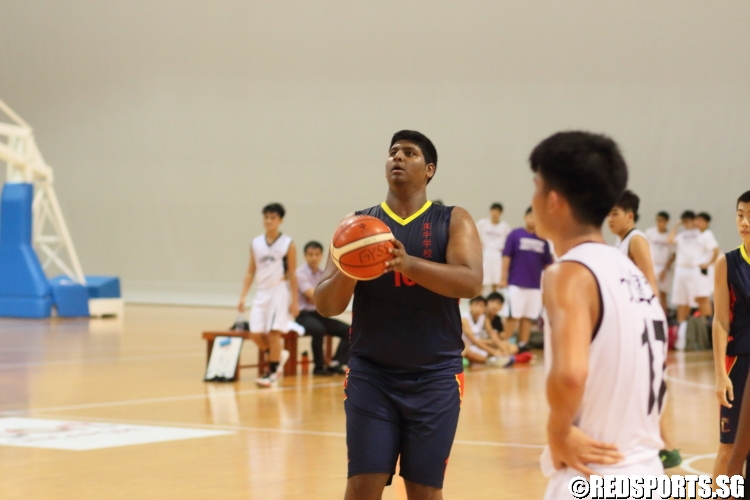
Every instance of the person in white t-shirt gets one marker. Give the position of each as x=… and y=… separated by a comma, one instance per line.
x=492, y=233
x=273, y=259
x=710, y=255
x=661, y=253
x=688, y=288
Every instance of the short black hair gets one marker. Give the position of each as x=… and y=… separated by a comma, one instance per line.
x=478, y=299
x=629, y=202
x=312, y=244
x=274, y=208
x=425, y=145
x=496, y=206
x=705, y=216
x=744, y=198
x=528, y=211
x=496, y=296
x=663, y=214
x=688, y=214
x=587, y=169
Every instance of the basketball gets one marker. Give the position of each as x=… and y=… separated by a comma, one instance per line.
x=360, y=247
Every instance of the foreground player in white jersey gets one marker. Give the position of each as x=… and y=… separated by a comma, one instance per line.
x=492, y=233
x=661, y=252
x=605, y=341
x=273, y=259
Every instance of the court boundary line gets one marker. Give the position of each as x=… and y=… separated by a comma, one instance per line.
x=270, y=430
x=163, y=399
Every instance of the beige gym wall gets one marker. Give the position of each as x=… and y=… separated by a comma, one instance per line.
x=171, y=123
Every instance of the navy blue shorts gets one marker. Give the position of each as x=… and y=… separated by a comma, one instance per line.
x=388, y=416
x=737, y=368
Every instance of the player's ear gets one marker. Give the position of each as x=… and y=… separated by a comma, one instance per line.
x=430, y=169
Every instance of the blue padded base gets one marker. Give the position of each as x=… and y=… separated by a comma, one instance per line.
x=25, y=307
x=99, y=287
x=71, y=299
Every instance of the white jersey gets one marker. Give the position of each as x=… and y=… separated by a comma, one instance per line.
x=477, y=327
x=625, y=390
x=688, y=248
x=624, y=244
x=491, y=235
x=708, y=244
x=270, y=260
x=661, y=250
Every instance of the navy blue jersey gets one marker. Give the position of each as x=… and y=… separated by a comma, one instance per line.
x=397, y=325
x=738, y=277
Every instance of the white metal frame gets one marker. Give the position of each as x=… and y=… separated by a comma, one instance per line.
x=18, y=150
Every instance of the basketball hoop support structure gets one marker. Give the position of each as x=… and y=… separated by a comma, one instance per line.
x=25, y=164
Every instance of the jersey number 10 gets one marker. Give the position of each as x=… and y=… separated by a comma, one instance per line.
x=400, y=278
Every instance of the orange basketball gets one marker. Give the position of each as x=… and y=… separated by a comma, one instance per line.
x=360, y=247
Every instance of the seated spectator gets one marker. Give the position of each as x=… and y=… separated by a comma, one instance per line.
x=495, y=303
x=308, y=276
x=481, y=341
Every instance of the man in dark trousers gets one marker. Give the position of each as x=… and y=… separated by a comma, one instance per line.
x=317, y=326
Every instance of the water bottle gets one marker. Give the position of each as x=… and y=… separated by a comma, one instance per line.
x=305, y=363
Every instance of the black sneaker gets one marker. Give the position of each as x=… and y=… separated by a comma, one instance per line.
x=322, y=372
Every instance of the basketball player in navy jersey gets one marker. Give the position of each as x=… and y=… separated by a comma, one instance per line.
x=405, y=379
x=731, y=339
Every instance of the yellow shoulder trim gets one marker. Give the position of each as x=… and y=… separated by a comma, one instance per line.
x=413, y=216
x=744, y=253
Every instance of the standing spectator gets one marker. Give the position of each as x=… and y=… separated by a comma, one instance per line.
x=524, y=258
x=308, y=277
x=661, y=252
x=492, y=233
x=688, y=288
x=710, y=255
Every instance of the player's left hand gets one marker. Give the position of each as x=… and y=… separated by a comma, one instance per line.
x=294, y=309
x=575, y=449
x=401, y=260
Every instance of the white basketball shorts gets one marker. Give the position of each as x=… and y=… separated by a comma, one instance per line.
x=687, y=285
x=270, y=309
x=524, y=302
x=492, y=261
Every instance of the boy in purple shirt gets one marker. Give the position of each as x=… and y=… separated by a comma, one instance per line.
x=524, y=258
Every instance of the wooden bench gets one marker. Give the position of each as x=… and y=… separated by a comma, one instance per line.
x=290, y=344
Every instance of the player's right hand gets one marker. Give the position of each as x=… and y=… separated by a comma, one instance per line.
x=724, y=390
x=575, y=449
x=241, y=305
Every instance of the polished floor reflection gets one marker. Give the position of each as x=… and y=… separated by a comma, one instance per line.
x=285, y=443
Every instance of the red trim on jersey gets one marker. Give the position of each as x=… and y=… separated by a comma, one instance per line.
x=729, y=362
x=461, y=385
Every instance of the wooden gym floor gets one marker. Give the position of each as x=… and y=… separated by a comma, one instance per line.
x=285, y=443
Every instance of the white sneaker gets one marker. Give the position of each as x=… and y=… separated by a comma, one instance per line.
x=284, y=358
x=498, y=361
x=269, y=380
